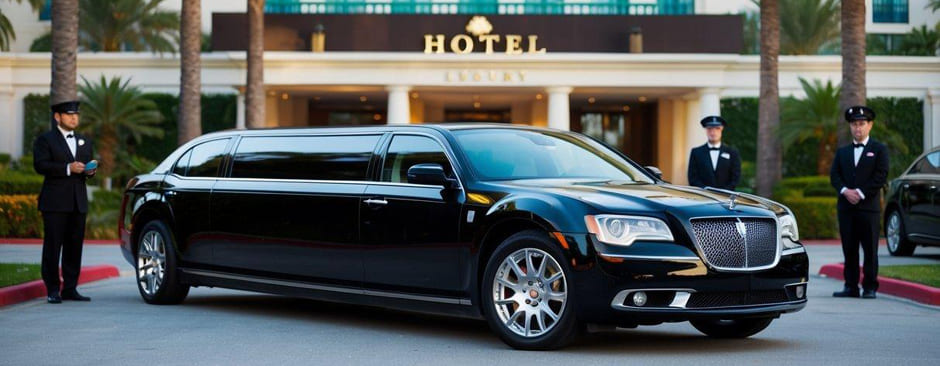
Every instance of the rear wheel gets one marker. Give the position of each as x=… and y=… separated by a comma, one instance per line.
x=156, y=266
x=898, y=245
x=526, y=298
x=737, y=328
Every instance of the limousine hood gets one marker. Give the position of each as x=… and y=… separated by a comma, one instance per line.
x=615, y=196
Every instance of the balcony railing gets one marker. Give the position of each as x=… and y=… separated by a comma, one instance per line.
x=528, y=7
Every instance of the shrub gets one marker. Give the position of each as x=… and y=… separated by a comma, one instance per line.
x=17, y=182
x=20, y=217
x=816, y=216
x=813, y=185
x=4, y=159
x=103, y=211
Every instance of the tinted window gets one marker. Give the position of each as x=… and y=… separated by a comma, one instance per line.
x=497, y=154
x=929, y=164
x=206, y=159
x=182, y=164
x=406, y=151
x=304, y=157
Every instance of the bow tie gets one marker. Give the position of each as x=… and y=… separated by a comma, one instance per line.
x=714, y=149
x=858, y=145
x=69, y=136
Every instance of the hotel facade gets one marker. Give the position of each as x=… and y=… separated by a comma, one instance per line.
x=637, y=74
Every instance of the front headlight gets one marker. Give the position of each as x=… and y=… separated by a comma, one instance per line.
x=788, y=227
x=624, y=230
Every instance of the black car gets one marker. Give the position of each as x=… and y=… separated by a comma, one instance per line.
x=540, y=232
x=912, y=210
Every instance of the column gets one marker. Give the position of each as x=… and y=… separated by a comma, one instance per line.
x=11, y=140
x=399, y=107
x=932, y=119
x=694, y=135
x=240, y=109
x=558, y=108
x=710, y=102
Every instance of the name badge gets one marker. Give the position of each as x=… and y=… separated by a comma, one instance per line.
x=870, y=154
x=726, y=155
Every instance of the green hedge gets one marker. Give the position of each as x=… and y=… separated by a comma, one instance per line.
x=813, y=201
x=16, y=182
x=20, y=217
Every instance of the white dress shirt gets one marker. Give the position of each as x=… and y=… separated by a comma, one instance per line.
x=73, y=145
x=714, y=154
x=857, y=153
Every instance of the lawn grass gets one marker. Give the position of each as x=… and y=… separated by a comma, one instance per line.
x=17, y=273
x=927, y=274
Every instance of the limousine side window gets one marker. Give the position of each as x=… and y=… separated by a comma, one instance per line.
x=406, y=151
x=304, y=157
x=202, y=160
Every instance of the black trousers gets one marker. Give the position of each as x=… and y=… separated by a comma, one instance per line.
x=64, y=232
x=860, y=228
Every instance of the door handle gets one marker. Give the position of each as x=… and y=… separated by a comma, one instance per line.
x=376, y=202
x=169, y=193
x=906, y=186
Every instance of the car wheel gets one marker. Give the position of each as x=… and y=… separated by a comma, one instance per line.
x=737, y=328
x=898, y=245
x=526, y=296
x=156, y=266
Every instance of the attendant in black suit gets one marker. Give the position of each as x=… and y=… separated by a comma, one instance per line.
x=858, y=174
x=60, y=156
x=714, y=164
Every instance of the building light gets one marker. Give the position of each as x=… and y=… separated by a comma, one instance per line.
x=591, y=100
x=363, y=99
x=642, y=99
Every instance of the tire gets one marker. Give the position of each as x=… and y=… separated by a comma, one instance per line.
x=898, y=245
x=156, y=266
x=542, y=316
x=738, y=328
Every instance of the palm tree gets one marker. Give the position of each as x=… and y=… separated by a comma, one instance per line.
x=64, y=50
x=933, y=5
x=808, y=27
x=191, y=36
x=751, y=37
x=254, y=91
x=6, y=29
x=768, y=116
x=920, y=42
x=853, y=59
x=817, y=117
x=136, y=25
x=116, y=115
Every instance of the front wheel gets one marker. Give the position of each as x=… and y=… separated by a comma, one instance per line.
x=526, y=298
x=156, y=266
x=895, y=236
x=737, y=328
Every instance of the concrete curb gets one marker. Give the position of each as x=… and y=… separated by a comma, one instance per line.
x=914, y=291
x=881, y=242
x=35, y=241
x=27, y=291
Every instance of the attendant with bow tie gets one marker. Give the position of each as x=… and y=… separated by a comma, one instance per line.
x=60, y=156
x=714, y=164
x=859, y=172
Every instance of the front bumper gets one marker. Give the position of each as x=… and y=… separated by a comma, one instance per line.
x=679, y=285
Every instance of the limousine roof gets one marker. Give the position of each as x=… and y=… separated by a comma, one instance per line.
x=379, y=128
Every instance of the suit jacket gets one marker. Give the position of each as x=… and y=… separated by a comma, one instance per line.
x=726, y=175
x=870, y=175
x=51, y=156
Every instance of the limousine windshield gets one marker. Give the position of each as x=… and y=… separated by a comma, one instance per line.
x=503, y=154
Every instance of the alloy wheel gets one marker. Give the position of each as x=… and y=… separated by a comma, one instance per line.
x=894, y=232
x=151, y=262
x=530, y=292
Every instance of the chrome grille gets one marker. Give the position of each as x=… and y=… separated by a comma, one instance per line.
x=733, y=243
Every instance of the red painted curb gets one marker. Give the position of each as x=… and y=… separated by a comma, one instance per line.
x=27, y=291
x=908, y=290
x=34, y=241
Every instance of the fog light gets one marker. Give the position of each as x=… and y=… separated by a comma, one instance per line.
x=639, y=298
x=800, y=291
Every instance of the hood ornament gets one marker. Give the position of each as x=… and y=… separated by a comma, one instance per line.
x=731, y=199
x=742, y=228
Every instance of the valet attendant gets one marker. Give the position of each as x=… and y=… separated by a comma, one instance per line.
x=859, y=171
x=60, y=156
x=714, y=164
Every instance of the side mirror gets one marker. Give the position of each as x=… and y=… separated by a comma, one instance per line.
x=430, y=174
x=656, y=172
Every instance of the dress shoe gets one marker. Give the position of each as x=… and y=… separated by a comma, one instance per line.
x=846, y=292
x=74, y=295
x=54, y=299
x=869, y=294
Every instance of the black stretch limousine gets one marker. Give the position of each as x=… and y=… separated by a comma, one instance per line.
x=540, y=232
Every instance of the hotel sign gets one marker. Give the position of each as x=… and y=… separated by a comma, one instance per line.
x=480, y=28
